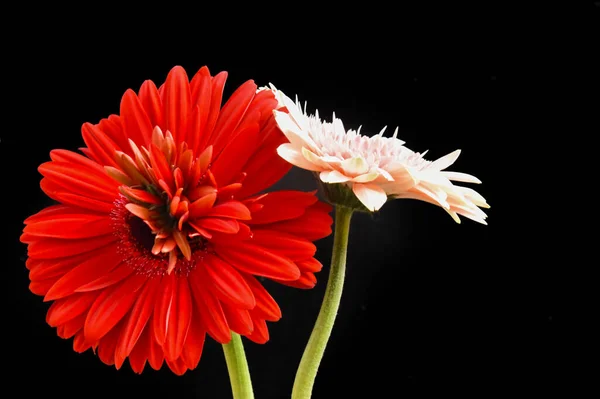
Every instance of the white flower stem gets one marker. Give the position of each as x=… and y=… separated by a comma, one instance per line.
x=239, y=374
x=309, y=365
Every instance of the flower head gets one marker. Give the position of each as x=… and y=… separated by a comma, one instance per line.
x=160, y=229
x=374, y=168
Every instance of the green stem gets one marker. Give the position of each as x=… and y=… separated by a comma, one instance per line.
x=239, y=374
x=307, y=371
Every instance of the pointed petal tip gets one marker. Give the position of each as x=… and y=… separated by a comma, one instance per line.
x=177, y=70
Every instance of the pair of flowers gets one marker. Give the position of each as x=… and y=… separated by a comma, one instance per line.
x=162, y=226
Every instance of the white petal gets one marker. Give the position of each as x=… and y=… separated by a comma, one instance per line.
x=434, y=177
x=372, y=196
x=294, y=111
x=288, y=152
x=454, y=215
x=478, y=217
x=338, y=126
x=434, y=195
x=404, y=179
x=396, y=166
x=315, y=159
x=473, y=196
x=365, y=178
x=331, y=159
x=445, y=161
x=463, y=177
x=382, y=131
x=385, y=174
x=293, y=132
x=355, y=166
x=333, y=176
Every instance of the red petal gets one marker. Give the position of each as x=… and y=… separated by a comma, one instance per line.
x=71, y=226
x=51, y=212
x=155, y=352
x=229, y=163
x=80, y=344
x=257, y=260
x=177, y=103
x=282, y=205
x=47, y=268
x=72, y=327
x=239, y=320
x=313, y=225
x=100, y=147
x=141, y=195
x=150, y=100
x=227, y=192
x=306, y=281
x=163, y=305
x=200, y=88
x=110, y=307
x=199, y=230
x=228, y=283
x=140, y=352
x=41, y=287
x=231, y=114
x=52, y=248
x=140, y=211
x=266, y=307
x=310, y=265
x=113, y=129
x=227, y=226
x=284, y=244
x=136, y=123
x=78, y=160
x=160, y=166
x=194, y=342
x=209, y=308
x=252, y=117
x=135, y=322
x=263, y=104
x=202, y=205
x=230, y=209
x=108, y=344
x=180, y=317
x=260, y=334
x=266, y=167
x=216, y=96
x=60, y=194
x=88, y=271
x=113, y=277
x=80, y=181
x=68, y=308
x=178, y=366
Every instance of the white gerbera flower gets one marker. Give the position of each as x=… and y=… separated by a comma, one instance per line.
x=374, y=168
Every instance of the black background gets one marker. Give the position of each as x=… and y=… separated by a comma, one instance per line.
x=429, y=306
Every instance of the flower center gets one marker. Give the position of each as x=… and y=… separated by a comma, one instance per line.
x=136, y=240
x=141, y=232
x=169, y=193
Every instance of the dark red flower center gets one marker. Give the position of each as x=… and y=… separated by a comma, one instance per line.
x=141, y=232
x=172, y=201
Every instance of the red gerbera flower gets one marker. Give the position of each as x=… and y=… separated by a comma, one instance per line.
x=160, y=232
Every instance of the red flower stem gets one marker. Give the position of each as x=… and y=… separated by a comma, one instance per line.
x=307, y=371
x=239, y=374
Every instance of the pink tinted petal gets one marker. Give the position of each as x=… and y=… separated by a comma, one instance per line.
x=333, y=176
x=355, y=166
x=372, y=196
x=445, y=161
x=462, y=177
x=291, y=154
